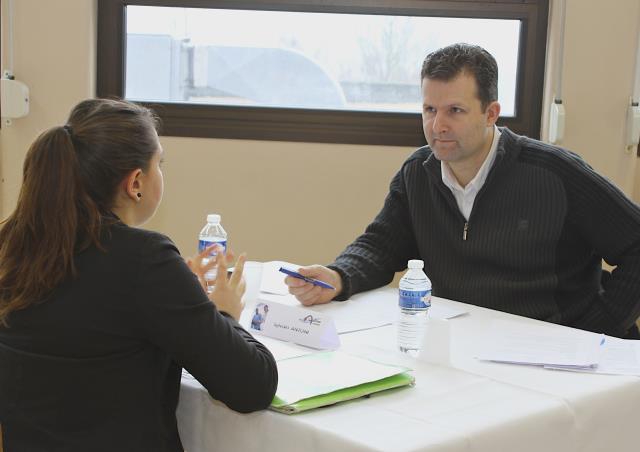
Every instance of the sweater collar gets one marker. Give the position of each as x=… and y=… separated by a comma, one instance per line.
x=477, y=181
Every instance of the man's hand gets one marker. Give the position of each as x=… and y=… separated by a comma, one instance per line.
x=307, y=293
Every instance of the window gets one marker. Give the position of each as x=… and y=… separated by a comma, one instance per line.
x=328, y=71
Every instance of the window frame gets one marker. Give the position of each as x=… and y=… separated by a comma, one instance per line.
x=323, y=125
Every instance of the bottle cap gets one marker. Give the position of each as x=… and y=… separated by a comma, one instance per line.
x=213, y=218
x=415, y=263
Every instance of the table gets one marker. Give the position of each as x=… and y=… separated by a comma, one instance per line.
x=468, y=405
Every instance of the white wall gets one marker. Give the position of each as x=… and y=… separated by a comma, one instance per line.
x=599, y=60
x=54, y=54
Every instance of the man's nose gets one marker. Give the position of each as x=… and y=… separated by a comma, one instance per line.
x=439, y=124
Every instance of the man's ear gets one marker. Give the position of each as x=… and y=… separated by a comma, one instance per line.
x=132, y=185
x=493, y=113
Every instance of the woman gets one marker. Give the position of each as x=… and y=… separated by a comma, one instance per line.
x=97, y=317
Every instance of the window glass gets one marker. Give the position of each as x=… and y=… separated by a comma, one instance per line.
x=332, y=61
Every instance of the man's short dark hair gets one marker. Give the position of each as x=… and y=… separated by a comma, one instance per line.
x=448, y=62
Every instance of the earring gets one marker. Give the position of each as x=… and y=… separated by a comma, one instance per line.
x=139, y=195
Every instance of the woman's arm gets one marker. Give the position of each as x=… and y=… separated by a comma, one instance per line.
x=177, y=316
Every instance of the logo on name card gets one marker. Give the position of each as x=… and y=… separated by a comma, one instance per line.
x=311, y=320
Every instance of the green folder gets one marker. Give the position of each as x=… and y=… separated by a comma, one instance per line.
x=321, y=379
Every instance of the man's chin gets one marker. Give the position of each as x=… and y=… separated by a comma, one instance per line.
x=444, y=155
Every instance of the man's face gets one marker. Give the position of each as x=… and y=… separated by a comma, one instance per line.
x=455, y=126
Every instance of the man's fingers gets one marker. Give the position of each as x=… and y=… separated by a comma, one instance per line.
x=301, y=290
x=295, y=282
x=311, y=272
x=310, y=297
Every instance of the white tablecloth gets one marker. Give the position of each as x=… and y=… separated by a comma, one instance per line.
x=468, y=405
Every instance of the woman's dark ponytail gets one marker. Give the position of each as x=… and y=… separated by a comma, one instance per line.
x=70, y=178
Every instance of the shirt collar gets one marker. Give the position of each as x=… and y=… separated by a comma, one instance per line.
x=481, y=176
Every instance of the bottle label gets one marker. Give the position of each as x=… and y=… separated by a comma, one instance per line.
x=414, y=299
x=202, y=244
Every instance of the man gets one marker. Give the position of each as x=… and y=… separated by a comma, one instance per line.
x=501, y=220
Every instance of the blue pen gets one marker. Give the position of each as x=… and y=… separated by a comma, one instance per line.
x=315, y=282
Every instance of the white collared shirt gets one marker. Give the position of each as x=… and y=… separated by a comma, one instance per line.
x=466, y=196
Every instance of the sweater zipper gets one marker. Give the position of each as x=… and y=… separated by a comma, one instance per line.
x=490, y=176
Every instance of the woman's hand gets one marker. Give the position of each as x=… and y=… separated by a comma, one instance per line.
x=227, y=293
x=200, y=269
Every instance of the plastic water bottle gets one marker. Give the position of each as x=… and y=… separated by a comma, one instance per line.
x=212, y=233
x=414, y=301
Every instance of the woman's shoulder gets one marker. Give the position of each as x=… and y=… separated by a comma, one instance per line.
x=132, y=240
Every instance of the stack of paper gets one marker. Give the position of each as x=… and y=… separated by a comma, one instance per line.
x=541, y=345
x=320, y=379
x=618, y=357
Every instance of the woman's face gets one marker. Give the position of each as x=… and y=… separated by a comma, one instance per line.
x=153, y=187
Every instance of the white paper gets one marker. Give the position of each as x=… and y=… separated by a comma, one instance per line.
x=287, y=299
x=363, y=311
x=284, y=350
x=618, y=357
x=439, y=310
x=272, y=280
x=252, y=276
x=520, y=343
x=322, y=373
